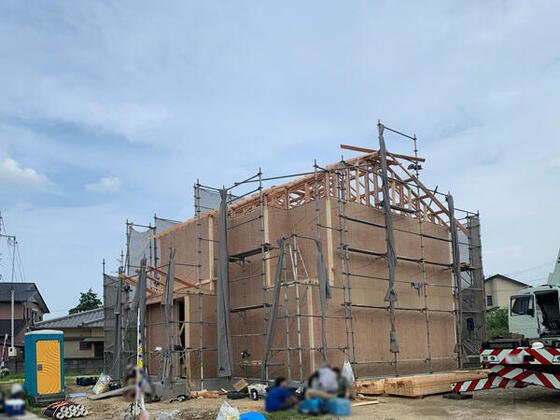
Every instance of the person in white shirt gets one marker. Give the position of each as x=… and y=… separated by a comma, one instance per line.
x=322, y=384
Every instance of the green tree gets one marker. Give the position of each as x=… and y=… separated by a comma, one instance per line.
x=497, y=323
x=88, y=300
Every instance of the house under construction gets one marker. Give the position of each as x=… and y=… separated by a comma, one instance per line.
x=356, y=261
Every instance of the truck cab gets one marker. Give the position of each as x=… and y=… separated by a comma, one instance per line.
x=535, y=311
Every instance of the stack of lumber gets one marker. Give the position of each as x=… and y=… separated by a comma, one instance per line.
x=369, y=386
x=436, y=383
x=416, y=385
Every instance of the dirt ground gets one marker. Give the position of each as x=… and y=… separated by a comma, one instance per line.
x=531, y=402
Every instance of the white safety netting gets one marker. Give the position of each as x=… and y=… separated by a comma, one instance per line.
x=139, y=246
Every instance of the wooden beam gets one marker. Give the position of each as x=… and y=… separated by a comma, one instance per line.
x=366, y=186
x=156, y=280
x=357, y=148
x=177, y=279
x=156, y=297
x=133, y=282
x=395, y=155
x=152, y=278
x=429, y=216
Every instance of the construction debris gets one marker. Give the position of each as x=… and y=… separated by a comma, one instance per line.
x=205, y=394
x=167, y=415
x=362, y=403
x=112, y=393
x=241, y=385
x=365, y=397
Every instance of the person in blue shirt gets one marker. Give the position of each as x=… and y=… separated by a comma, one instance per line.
x=279, y=397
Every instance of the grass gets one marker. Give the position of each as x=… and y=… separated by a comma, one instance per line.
x=32, y=409
x=11, y=378
x=21, y=377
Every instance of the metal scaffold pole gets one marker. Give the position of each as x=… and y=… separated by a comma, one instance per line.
x=263, y=262
x=319, y=273
x=118, y=340
x=199, y=275
x=293, y=250
x=167, y=303
x=457, y=276
x=287, y=317
x=420, y=217
x=391, y=295
x=475, y=259
x=271, y=326
x=155, y=244
x=244, y=313
x=345, y=268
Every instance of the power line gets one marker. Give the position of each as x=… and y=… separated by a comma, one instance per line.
x=528, y=269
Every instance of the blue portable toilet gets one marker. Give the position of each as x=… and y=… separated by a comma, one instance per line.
x=44, y=366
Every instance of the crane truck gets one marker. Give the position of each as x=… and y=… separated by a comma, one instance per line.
x=531, y=356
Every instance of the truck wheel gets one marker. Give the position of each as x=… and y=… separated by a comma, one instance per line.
x=254, y=394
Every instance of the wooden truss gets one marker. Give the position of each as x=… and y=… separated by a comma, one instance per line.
x=362, y=179
x=157, y=285
x=362, y=184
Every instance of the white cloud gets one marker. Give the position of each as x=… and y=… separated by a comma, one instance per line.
x=12, y=174
x=474, y=80
x=107, y=184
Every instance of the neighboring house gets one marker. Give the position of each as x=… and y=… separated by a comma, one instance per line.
x=83, y=333
x=499, y=288
x=29, y=308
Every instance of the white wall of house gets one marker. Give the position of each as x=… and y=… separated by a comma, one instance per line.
x=498, y=291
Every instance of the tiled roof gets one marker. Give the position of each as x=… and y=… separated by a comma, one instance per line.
x=6, y=327
x=506, y=278
x=24, y=292
x=87, y=319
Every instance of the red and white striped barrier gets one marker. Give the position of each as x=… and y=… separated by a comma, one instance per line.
x=514, y=368
x=520, y=356
x=486, y=383
x=531, y=377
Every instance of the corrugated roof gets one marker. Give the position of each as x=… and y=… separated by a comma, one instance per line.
x=87, y=319
x=24, y=292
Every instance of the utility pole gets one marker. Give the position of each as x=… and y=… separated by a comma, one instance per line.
x=13, y=240
x=12, y=350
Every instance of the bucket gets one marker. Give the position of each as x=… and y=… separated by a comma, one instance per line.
x=15, y=407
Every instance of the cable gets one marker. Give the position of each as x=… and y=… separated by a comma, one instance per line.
x=21, y=267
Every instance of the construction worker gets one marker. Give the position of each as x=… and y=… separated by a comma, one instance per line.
x=322, y=384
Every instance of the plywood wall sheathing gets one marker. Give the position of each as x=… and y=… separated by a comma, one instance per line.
x=290, y=208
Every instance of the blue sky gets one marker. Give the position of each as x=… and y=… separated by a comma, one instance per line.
x=111, y=110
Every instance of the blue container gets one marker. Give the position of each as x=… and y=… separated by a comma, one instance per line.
x=44, y=363
x=338, y=406
x=15, y=407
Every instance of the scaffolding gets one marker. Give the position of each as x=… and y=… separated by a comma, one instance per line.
x=310, y=317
